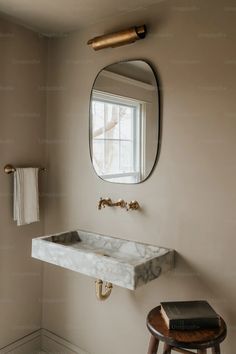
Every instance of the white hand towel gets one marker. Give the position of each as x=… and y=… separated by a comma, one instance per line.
x=26, y=196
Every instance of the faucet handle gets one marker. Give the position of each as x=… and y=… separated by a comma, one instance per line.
x=133, y=205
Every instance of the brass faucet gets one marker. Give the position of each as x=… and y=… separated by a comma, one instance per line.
x=133, y=205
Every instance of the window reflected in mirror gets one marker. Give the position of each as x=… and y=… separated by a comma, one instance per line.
x=124, y=122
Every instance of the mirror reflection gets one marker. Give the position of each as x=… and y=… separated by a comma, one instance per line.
x=124, y=122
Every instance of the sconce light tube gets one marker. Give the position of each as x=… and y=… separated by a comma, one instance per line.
x=117, y=39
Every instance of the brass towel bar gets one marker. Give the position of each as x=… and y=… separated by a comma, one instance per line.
x=11, y=169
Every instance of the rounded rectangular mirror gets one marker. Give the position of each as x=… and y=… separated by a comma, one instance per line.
x=124, y=122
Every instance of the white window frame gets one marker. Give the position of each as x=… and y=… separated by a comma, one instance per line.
x=138, y=142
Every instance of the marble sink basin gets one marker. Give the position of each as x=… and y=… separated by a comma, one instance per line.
x=125, y=263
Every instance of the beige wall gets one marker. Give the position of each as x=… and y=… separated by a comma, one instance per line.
x=188, y=202
x=22, y=129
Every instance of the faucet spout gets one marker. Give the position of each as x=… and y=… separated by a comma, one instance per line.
x=108, y=202
x=103, y=202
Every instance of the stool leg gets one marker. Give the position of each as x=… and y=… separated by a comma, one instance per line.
x=167, y=349
x=153, y=345
x=201, y=351
x=216, y=349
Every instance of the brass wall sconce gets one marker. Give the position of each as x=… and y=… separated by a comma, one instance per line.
x=117, y=39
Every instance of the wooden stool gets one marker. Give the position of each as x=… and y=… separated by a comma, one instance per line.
x=181, y=341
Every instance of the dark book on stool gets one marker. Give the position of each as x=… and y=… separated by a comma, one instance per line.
x=189, y=315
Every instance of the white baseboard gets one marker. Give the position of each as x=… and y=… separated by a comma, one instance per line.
x=42, y=341
x=30, y=344
x=53, y=344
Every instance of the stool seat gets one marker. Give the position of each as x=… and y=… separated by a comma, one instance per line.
x=176, y=339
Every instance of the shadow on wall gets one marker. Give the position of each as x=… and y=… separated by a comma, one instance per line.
x=201, y=285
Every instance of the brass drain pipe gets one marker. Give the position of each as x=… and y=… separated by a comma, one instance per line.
x=108, y=289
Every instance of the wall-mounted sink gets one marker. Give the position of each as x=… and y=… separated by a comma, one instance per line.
x=125, y=263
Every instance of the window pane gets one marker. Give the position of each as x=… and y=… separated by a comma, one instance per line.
x=98, y=155
x=111, y=157
x=126, y=117
x=126, y=156
x=111, y=121
x=98, y=119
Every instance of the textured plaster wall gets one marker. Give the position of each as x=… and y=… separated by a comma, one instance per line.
x=188, y=202
x=22, y=143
